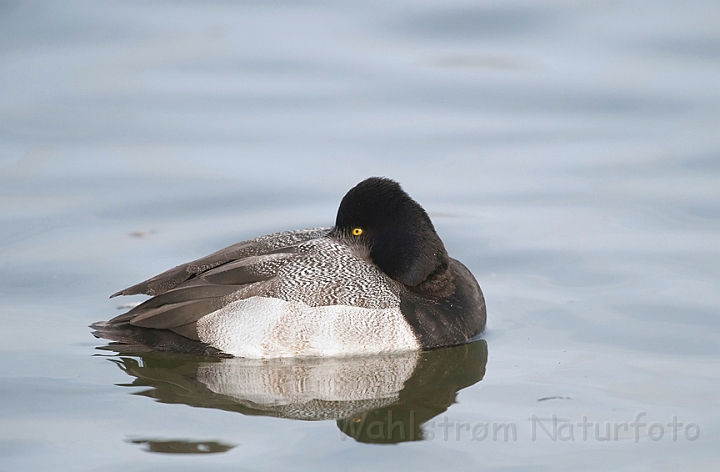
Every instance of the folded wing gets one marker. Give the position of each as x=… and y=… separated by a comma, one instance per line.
x=259, y=246
x=188, y=292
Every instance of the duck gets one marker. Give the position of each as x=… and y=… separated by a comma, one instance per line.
x=379, y=281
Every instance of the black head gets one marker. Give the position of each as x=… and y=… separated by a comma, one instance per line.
x=397, y=231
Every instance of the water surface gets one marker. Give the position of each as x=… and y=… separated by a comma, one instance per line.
x=567, y=152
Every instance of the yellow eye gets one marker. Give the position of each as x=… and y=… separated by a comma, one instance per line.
x=357, y=231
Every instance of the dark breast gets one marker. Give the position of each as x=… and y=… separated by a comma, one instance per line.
x=455, y=317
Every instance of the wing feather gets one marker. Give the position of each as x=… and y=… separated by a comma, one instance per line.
x=188, y=292
x=269, y=244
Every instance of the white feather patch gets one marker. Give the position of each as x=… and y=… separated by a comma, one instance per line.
x=262, y=328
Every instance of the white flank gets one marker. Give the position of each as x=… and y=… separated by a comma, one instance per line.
x=263, y=328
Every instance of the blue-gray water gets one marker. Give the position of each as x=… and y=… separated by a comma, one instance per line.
x=568, y=153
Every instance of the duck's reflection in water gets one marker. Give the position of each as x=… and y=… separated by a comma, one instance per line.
x=375, y=399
